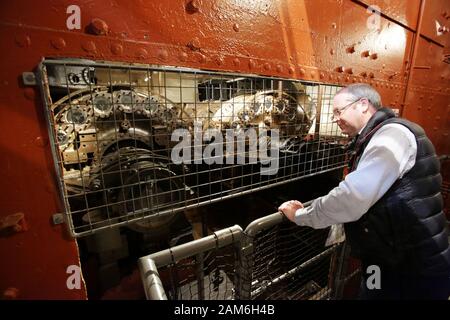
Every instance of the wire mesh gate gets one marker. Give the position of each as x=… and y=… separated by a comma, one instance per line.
x=280, y=260
x=135, y=144
x=271, y=259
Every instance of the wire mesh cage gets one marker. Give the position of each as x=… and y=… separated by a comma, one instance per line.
x=270, y=260
x=208, y=275
x=134, y=144
x=290, y=263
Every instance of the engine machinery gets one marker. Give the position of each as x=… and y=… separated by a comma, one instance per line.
x=112, y=131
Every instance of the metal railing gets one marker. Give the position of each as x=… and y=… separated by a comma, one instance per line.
x=151, y=264
x=272, y=259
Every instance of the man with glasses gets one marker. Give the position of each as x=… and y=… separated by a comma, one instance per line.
x=390, y=202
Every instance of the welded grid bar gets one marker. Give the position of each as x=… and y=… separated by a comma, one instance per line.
x=292, y=273
x=307, y=284
x=205, y=276
x=114, y=155
x=284, y=261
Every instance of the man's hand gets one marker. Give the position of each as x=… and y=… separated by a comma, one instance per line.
x=289, y=208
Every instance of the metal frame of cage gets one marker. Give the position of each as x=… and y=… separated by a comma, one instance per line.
x=150, y=264
x=258, y=255
x=318, y=151
x=245, y=285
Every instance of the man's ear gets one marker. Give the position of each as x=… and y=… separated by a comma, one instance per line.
x=365, y=105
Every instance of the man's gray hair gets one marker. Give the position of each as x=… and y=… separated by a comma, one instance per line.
x=362, y=90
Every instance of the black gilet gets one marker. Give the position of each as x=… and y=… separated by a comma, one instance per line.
x=406, y=229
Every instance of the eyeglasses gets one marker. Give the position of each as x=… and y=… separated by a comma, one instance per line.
x=338, y=112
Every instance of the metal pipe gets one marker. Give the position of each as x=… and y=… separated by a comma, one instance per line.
x=199, y=267
x=200, y=276
x=218, y=239
x=267, y=222
x=153, y=286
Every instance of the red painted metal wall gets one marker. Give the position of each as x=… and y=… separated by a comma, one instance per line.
x=321, y=40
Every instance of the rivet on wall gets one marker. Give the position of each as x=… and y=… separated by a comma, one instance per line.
x=194, y=44
x=220, y=61
x=201, y=58
x=365, y=54
x=163, y=55
x=117, y=49
x=183, y=56
x=98, y=27
x=350, y=49
x=193, y=6
x=141, y=53
x=58, y=43
x=89, y=46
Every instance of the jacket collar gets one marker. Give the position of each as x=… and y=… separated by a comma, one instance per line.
x=373, y=125
x=357, y=144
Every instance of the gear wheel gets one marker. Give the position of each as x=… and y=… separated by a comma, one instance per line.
x=149, y=107
x=167, y=115
x=76, y=116
x=126, y=100
x=102, y=103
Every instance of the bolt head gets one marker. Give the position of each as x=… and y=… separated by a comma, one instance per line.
x=98, y=27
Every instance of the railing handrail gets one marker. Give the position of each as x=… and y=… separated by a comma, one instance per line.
x=266, y=222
